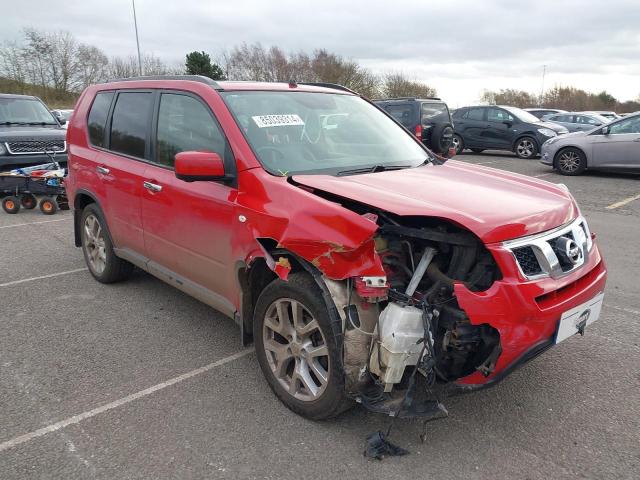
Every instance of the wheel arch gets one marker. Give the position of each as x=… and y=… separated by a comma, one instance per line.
x=255, y=275
x=523, y=135
x=81, y=200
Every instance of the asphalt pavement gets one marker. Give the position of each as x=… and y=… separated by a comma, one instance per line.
x=138, y=380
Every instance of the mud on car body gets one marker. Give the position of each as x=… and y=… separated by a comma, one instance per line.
x=363, y=267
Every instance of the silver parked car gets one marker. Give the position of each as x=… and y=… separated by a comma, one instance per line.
x=576, y=121
x=542, y=112
x=604, y=113
x=615, y=146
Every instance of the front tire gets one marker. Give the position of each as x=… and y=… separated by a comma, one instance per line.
x=526, y=147
x=28, y=201
x=97, y=247
x=11, y=204
x=297, y=349
x=457, y=143
x=571, y=161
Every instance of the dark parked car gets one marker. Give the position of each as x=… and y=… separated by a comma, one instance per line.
x=428, y=118
x=501, y=128
x=542, y=112
x=29, y=133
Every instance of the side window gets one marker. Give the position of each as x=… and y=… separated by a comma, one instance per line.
x=474, y=114
x=401, y=113
x=629, y=125
x=97, y=120
x=498, y=115
x=587, y=120
x=564, y=118
x=186, y=124
x=130, y=123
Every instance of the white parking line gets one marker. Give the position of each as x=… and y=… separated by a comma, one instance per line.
x=16, y=282
x=486, y=163
x=622, y=203
x=543, y=175
x=34, y=223
x=118, y=403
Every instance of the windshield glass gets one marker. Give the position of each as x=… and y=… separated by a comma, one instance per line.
x=303, y=132
x=522, y=115
x=435, y=112
x=24, y=111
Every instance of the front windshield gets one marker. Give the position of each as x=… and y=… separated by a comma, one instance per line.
x=522, y=115
x=323, y=133
x=24, y=111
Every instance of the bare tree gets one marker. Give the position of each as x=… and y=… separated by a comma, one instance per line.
x=397, y=84
x=92, y=66
x=509, y=96
x=12, y=62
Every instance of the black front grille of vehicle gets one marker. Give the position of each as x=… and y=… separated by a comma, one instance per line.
x=527, y=261
x=36, y=146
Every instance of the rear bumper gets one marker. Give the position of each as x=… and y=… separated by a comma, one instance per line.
x=26, y=160
x=526, y=313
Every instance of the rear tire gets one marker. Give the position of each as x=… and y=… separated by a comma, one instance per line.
x=526, y=147
x=11, y=204
x=570, y=161
x=457, y=143
x=298, y=352
x=28, y=201
x=97, y=247
x=48, y=206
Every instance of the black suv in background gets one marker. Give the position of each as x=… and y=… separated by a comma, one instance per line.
x=501, y=128
x=29, y=133
x=427, y=118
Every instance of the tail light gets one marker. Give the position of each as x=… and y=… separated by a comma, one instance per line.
x=419, y=131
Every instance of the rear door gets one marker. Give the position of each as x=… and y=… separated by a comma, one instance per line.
x=620, y=149
x=121, y=165
x=471, y=126
x=405, y=113
x=187, y=225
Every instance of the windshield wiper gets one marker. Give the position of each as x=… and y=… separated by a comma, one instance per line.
x=372, y=169
x=13, y=123
x=40, y=123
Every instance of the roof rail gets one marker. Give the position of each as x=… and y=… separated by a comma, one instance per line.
x=407, y=98
x=334, y=86
x=190, y=78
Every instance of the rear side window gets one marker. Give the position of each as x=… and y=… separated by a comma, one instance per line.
x=186, y=124
x=499, y=115
x=98, y=118
x=563, y=118
x=130, y=123
x=474, y=114
x=401, y=113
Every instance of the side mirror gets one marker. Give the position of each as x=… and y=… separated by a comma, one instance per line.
x=605, y=130
x=508, y=123
x=62, y=121
x=199, y=166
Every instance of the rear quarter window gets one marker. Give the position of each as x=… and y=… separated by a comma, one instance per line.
x=402, y=113
x=97, y=120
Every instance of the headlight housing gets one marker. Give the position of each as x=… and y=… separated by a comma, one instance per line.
x=3, y=149
x=547, y=132
x=551, y=141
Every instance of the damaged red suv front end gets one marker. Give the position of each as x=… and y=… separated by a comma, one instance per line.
x=360, y=264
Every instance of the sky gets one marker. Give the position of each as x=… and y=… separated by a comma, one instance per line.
x=459, y=47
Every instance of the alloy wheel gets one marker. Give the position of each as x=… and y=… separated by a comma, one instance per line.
x=296, y=349
x=94, y=244
x=525, y=148
x=569, y=161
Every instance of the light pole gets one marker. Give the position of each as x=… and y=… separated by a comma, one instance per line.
x=544, y=71
x=135, y=24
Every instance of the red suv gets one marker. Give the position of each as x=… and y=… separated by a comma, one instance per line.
x=351, y=255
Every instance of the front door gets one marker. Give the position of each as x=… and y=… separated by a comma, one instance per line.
x=498, y=130
x=620, y=148
x=187, y=225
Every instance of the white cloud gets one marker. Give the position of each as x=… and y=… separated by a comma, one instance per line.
x=460, y=47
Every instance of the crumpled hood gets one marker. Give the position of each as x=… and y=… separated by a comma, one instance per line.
x=553, y=126
x=15, y=133
x=494, y=204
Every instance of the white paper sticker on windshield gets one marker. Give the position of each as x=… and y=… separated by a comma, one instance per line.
x=263, y=121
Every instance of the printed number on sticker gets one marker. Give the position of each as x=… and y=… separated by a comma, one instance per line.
x=263, y=121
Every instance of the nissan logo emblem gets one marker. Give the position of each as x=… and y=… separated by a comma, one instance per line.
x=569, y=250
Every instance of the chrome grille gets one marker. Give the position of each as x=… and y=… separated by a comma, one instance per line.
x=543, y=255
x=30, y=147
